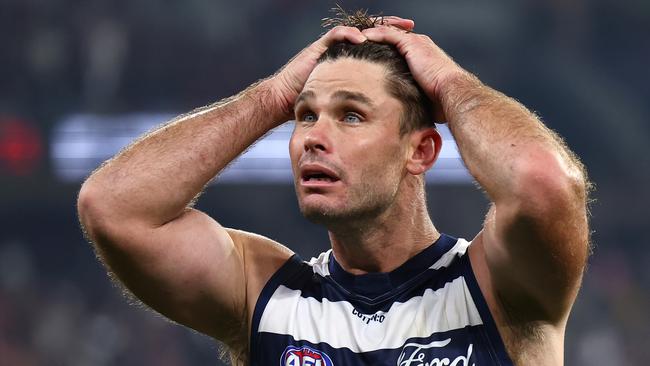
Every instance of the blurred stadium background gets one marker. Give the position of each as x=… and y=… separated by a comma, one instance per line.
x=78, y=80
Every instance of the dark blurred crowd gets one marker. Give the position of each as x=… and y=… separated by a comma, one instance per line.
x=581, y=65
x=74, y=316
x=45, y=320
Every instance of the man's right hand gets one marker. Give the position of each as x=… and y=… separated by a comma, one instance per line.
x=289, y=81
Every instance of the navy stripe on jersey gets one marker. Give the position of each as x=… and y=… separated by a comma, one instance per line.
x=292, y=268
x=402, y=285
x=376, y=286
x=431, y=307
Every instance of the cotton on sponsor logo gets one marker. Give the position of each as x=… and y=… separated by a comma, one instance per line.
x=415, y=354
x=378, y=317
x=304, y=356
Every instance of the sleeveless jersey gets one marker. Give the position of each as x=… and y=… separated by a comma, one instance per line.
x=428, y=312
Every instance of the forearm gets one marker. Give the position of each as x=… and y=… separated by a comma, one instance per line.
x=503, y=144
x=156, y=177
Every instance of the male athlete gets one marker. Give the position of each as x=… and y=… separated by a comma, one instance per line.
x=393, y=290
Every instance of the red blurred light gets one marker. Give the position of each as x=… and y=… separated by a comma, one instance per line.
x=20, y=146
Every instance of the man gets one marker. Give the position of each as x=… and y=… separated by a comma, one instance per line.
x=393, y=290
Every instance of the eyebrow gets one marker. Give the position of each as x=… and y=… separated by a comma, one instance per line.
x=340, y=95
x=355, y=96
x=304, y=96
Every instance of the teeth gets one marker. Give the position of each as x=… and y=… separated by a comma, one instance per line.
x=320, y=178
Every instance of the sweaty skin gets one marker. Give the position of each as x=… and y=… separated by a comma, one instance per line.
x=528, y=258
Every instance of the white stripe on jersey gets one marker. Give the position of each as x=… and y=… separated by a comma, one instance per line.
x=458, y=249
x=320, y=265
x=335, y=323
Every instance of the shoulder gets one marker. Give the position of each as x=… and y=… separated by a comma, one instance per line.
x=261, y=256
x=255, y=244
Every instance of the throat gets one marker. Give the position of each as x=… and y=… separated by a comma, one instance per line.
x=377, y=252
x=384, y=240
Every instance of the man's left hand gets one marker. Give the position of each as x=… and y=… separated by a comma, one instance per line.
x=431, y=67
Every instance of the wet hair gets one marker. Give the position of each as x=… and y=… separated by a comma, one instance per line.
x=417, y=107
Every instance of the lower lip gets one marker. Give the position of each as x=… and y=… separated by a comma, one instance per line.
x=318, y=183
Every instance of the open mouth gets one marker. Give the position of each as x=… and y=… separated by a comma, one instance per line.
x=318, y=175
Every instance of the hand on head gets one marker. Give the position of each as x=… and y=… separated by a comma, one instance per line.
x=292, y=77
x=431, y=66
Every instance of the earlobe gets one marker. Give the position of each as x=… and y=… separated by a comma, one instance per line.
x=425, y=147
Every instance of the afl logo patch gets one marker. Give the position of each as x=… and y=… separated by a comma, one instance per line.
x=304, y=356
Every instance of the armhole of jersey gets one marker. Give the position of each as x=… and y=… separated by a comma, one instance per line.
x=492, y=336
x=286, y=271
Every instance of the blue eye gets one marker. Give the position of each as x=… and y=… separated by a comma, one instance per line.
x=308, y=117
x=351, y=118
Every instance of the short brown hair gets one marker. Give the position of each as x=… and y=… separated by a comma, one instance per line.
x=418, y=108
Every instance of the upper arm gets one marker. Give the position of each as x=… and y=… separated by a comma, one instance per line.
x=535, y=244
x=190, y=269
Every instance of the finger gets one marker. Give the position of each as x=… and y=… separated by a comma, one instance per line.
x=406, y=24
x=384, y=34
x=341, y=34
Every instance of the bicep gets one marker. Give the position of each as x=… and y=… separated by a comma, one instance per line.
x=189, y=270
x=536, y=253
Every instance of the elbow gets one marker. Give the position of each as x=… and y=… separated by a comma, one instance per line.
x=86, y=208
x=93, y=217
x=548, y=182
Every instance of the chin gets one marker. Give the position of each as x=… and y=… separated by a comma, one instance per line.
x=319, y=213
x=329, y=210
x=335, y=216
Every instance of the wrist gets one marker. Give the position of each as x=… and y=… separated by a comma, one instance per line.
x=457, y=91
x=277, y=105
x=454, y=81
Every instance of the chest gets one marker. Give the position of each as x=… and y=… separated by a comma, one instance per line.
x=423, y=327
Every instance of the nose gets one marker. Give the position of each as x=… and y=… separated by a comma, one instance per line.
x=318, y=138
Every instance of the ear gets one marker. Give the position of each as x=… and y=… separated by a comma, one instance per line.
x=425, y=145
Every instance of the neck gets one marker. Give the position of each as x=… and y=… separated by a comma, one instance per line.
x=384, y=242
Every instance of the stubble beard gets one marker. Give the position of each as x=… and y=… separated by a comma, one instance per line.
x=364, y=202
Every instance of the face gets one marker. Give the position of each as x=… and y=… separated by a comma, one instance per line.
x=347, y=155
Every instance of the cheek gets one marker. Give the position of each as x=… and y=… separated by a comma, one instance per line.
x=389, y=160
x=379, y=164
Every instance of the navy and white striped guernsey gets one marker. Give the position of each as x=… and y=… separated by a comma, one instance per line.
x=428, y=312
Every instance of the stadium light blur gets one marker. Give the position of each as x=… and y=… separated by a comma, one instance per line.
x=81, y=142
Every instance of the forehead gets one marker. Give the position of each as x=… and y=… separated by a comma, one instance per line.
x=348, y=74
